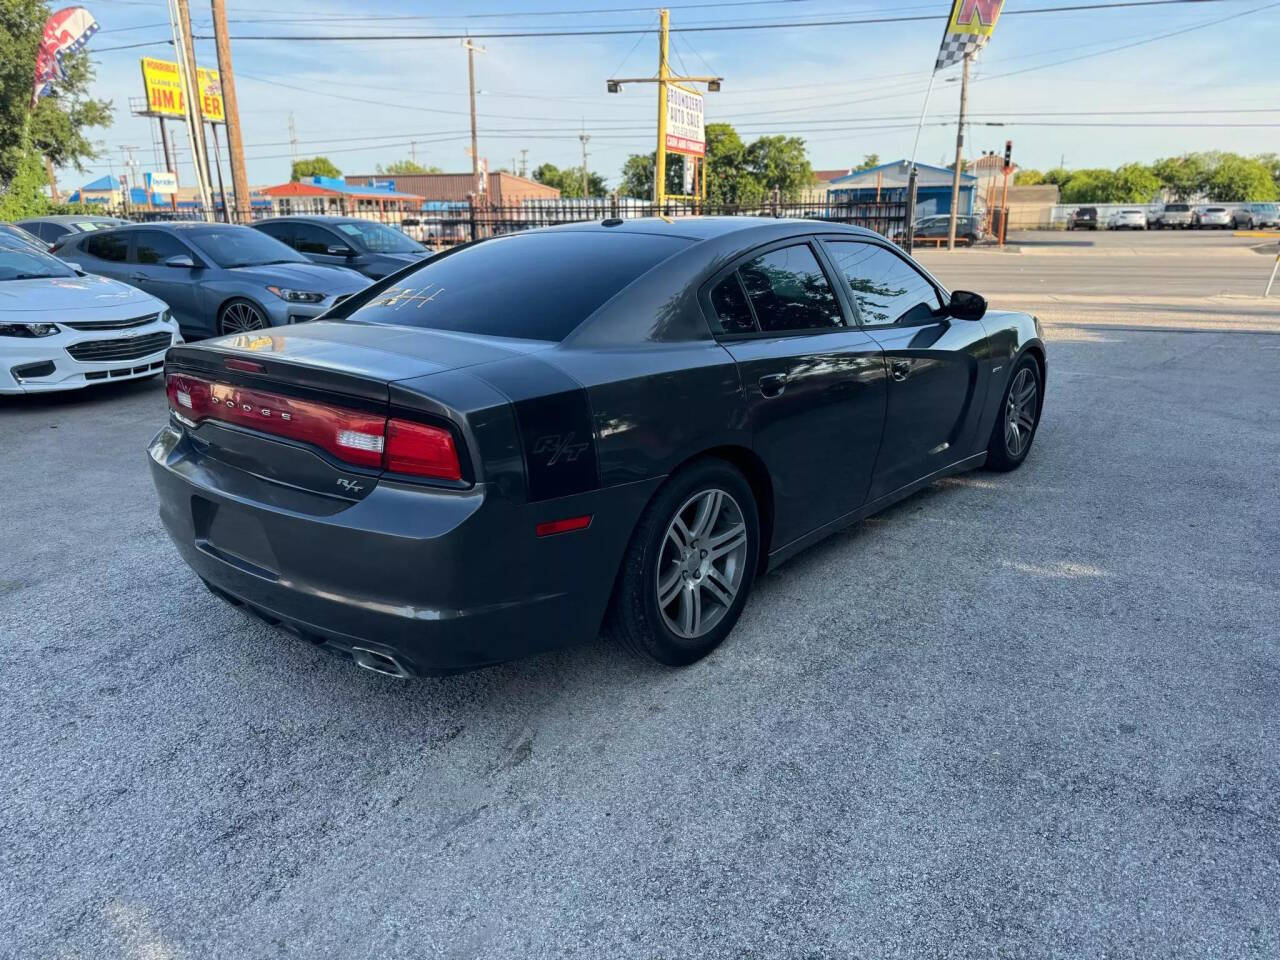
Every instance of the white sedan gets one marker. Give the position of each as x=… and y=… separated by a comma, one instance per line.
x=60, y=329
x=1128, y=220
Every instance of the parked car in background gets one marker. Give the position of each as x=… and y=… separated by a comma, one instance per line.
x=373, y=248
x=53, y=229
x=13, y=232
x=1174, y=216
x=968, y=229
x=622, y=420
x=216, y=278
x=1127, y=220
x=1211, y=218
x=1256, y=215
x=1083, y=218
x=61, y=330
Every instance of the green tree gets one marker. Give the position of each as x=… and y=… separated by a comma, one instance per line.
x=569, y=180
x=402, y=168
x=1185, y=177
x=1238, y=179
x=57, y=127
x=1028, y=178
x=637, y=175
x=1135, y=183
x=868, y=161
x=1089, y=186
x=780, y=163
x=1272, y=162
x=314, y=167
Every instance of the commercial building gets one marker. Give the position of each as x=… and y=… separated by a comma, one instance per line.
x=330, y=196
x=500, y=189
x=887, y=183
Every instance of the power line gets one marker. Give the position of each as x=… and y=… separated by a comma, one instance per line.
x=716, y=28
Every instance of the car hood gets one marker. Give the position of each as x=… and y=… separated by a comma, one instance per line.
x=314, y=277
x=59, y=294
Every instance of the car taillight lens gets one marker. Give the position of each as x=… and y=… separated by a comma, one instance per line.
x=364, y=439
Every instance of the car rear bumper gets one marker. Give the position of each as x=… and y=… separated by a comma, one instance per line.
x=436, y=582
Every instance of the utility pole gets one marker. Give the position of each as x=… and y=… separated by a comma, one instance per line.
x=524, y=162
x=664, y=78
x=53, y=181
x=293, y=139
x=955, y=176
x=184, y=50
x=584, y=137
x=231, y=109
x=170, y=162
x=472, y=49
x=413, y=151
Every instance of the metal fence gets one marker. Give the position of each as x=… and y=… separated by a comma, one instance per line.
x=441, y=225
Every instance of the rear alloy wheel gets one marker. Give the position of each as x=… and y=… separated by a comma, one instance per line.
x=1015, y=427
x=240, y=316
x=689, y=567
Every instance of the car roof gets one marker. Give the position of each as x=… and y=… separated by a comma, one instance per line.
x=707, y=228
x=314, y=218
x=74, y=218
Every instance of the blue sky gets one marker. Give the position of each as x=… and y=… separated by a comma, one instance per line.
x=848, y=90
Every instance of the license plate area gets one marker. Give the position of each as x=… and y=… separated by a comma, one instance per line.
x=233, y=535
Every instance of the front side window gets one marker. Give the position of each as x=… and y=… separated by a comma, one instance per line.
x=154, y=246
x=308, y=238
x=235, y=246
x=108, y=246
x=279, y=231
x=789, y=291
x=886, y=287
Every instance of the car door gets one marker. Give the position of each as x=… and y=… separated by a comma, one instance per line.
x=935, y=362
x=314, y=242
x=177, y=286
x=814, y=383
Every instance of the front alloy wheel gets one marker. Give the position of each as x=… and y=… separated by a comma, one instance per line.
x=240, y=316
x=1020, y=412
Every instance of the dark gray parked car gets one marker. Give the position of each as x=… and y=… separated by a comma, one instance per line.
x=215, y=277
x=374, y=249
x=53, y=229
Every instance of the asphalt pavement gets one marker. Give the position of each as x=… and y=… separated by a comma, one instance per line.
x=1018, y=715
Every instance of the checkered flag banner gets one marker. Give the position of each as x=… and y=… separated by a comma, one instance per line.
x=968, y=29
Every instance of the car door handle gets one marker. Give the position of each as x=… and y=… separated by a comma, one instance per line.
x=773, y=385
x=900, y=369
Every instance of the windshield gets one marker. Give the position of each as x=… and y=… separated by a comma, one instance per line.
x=1177, y=208
x=1264, y=207
x=379, y=238
x=527, y=286
x=242, y=247
x=87, y=226
x=23, y=263
x=9, y=231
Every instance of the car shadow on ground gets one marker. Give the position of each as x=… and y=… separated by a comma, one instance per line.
x=96, y=394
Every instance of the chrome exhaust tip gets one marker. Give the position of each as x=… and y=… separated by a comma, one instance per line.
x=378, y=662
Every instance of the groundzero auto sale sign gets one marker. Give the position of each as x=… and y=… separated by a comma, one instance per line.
x=164, y=90
x=685, y=132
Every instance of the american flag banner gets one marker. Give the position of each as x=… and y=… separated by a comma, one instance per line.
x=968, y=29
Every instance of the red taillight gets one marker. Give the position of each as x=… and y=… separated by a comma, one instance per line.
x=364, y=439
x=421, y=450
x=551, y=527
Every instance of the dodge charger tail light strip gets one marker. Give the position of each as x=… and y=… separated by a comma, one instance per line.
x=363, y=439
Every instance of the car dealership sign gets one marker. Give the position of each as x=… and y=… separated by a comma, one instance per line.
x=164, y=90
x=685, y=131
x=163, y=182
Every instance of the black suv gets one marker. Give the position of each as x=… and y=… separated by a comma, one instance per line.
x=1084, y=218
x=368, y=246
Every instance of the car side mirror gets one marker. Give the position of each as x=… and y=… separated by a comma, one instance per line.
x=181, y=261
x=75, y=266
x=340, y=250
x=965, y=305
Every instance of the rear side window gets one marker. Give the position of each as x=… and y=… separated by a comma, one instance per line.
x=730, y=303
x=107, y=246
x=530, y=286
x=789, y=291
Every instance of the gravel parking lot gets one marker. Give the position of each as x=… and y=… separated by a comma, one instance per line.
x=1023, y=715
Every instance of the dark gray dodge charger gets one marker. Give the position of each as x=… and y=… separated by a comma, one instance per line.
x=512, y=444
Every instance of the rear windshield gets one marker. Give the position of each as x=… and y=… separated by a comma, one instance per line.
x=531, y=286
x=1177, y=208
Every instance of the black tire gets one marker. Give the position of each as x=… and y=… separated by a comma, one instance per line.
x=635, y=617
x=234, y=316
x=1002, y=453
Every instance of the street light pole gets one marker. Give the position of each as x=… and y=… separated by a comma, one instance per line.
x=472, y=49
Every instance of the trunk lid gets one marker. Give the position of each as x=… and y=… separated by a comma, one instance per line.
x=276, y=381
